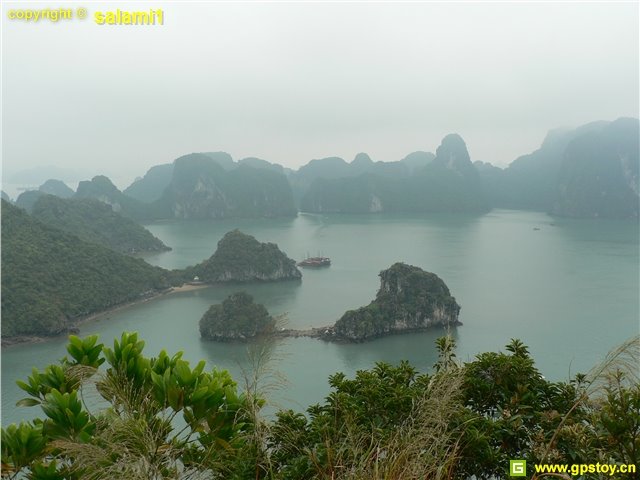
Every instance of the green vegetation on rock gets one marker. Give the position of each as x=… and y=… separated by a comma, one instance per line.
x=590, y=171
x=101, y=188
x=418, y=160
x=201, y=188
x=241, y=258
x=261, y=164
x=409, y=299
x=51, y=278
x=447, y=182
x=599, y=174
x=149, y=188
x=237, y=318
x=57, y=188
x=27, y=200
x=96, y=222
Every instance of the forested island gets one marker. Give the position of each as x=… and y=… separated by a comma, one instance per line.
x=447, y=182
x=96, y=222
x=241, y=258
x=237, y=318
x=409, y=300
x=52, y=279
x=590, y=171
x=587, y=172
x=457, y=421
x=199, y=186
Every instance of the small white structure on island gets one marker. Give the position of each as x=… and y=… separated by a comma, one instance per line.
x=196, y=279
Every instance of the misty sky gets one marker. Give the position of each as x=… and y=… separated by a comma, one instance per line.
x=289, y=82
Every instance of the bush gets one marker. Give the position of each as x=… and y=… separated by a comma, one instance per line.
x=390, y=422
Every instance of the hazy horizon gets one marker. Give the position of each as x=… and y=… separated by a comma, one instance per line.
x=290, y=82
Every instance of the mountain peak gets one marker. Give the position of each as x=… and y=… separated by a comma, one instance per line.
x=453, y=153
x=362, y=159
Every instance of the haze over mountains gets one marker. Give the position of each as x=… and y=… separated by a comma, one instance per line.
x=589, y=171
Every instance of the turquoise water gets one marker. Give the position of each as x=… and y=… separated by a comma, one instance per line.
x=569, y=290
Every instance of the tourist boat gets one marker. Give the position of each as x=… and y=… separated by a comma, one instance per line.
x=315, y=262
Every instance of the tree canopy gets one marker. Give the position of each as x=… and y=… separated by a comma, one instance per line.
x=50, y=277
x=236, y=318
x=392, y=422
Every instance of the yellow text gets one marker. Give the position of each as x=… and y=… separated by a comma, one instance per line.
x=125, y=17
x=53, y=15
x=584, y=468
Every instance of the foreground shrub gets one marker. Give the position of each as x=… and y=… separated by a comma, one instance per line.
x=159, y=418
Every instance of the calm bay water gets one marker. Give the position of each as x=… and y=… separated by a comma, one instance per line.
x=569, y=290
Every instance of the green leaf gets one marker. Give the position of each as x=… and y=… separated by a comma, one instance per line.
x=27, y=402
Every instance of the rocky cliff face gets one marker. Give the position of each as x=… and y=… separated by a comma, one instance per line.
x=422, y=182
x=102, y=189
x=589, y=171
x=450, y=183
x=409, y=299
x=453, y=155
x=241, y=258
x=26, y=200
x=57, y=188
x=599, y=173
x=150, y=187
x=201, y=188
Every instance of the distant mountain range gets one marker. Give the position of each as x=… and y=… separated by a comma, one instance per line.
x=589, y=171
x=446, y=182
x=598, y=176
x=64, y=260
x=200, y=186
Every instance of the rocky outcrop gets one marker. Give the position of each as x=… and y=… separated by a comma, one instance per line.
x=238, y=318
x=450, y=183
x=418, y=160
x=409, y=299
x=261, y=164
x=599, y=173
x=150, y=187
x=422, y=182
x=102, y=189
x=26, y=200
x=202, y=188
x=241, y=258
x=589, y=171
x=453, y=155
x=57, y=188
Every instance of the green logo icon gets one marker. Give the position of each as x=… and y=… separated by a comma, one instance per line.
x=517, y=468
